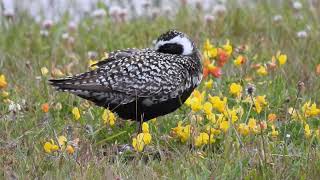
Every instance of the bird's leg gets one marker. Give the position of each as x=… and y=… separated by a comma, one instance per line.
x=140, y=124
x=139, y=127
x=139, y=120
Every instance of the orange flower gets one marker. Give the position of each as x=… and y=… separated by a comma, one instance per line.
x=205, y=72
x=239, y=60
x=214, y=71
x=70, y=149
x=263, y=125
x=318, y=69
x=272, y=117
x=206, y=62
x=222, y=57
x=45, y=107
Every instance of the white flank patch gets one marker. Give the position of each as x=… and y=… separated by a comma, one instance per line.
x=185, y=42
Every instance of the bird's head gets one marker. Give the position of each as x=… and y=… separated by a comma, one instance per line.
x=175, y=42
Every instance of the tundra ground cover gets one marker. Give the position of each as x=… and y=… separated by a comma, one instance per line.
x=255, y=115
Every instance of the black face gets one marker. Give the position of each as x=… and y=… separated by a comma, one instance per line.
x=171, y=48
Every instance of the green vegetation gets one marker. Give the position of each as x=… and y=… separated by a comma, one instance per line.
x=27, y=122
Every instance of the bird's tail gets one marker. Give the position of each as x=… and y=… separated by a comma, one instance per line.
x=83, y=82
x=65, y=84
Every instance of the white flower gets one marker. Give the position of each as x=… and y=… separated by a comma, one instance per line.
x=277, y=18
x=297, y=5
x=65, y=36
x=219, y=9
x=114, y=11
x=98, y=13
x=44, y=33
x=288, y=135
x=9, y=13
x=14, y=107
x=302, y=34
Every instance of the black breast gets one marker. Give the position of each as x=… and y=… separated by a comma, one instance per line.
x=139, y=110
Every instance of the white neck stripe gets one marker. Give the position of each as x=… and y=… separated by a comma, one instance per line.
x=185, y=42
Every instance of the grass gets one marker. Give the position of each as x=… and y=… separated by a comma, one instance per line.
x=23, y=51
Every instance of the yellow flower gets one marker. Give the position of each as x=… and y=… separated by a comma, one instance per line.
x=47, y=147
x=6, y=100
x=207, y=45
x=310, y=110
x=252, y=124
x=209, y=50
x=221, y=117
x=212, y=118
x=243, y=129
x=235, y=89
x=199, y=95
x=91, y=64
x=228, y=48
x=231, y=114
x=260, y=102
x=76, y=113
x=44, y=71
x=5, y=94
x=282, y=58
x=196, y=104
x=55, y=72
x=202, y=139
x=307, y=131
x=212, y=53
x=50, y=147
x=209, y=84
x=108, y=117
x=217, y=103
x=188, y=101
x=207, y=108
x=213, y=131
x=239, y=61
x=105, y=56
x=182, y=132
x=138, y=144
x=70, y=149
x=147, y=138
x=3, y=82
x=141, y=140
x=224, y=126
x=274, y=133
x=145, y=127
x=262, y=71
x=62, y=140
